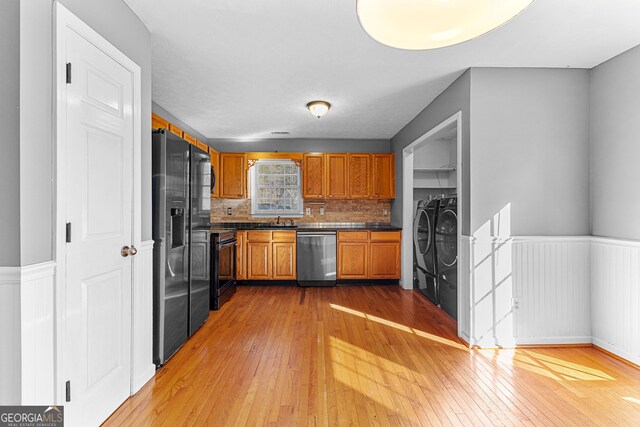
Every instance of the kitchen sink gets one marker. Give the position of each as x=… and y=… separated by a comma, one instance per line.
x=274, y=225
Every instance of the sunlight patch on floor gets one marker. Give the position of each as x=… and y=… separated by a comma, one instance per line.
x=547, y=366
x=400, y=327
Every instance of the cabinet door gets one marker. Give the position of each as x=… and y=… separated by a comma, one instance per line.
x=352, y=260
x=313, y=176
x=258, y=261
x=215, y=164
x=241, y=256
x=384, y=260
x=359, y=176
x=233, y=176
x=284, y=261
x=337, y=175
x=384, y=176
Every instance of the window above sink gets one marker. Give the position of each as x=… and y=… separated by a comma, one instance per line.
x=276, y=189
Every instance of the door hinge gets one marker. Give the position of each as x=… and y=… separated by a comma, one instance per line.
x=68, y=232
x=68, y=72
x=68, y=391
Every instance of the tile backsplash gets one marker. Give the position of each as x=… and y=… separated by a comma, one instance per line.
x=334, y=211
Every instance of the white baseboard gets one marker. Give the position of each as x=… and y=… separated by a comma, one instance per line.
x=633, y=358
x=553, y=340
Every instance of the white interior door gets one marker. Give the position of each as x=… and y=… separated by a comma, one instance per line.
x=99, y=176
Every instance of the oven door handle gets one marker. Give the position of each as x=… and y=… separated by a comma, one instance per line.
x=227, y=243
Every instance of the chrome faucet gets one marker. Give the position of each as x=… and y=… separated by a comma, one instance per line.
x=278, y=221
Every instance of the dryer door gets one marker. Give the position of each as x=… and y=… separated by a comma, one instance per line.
x=447, y=239
x=422, y=233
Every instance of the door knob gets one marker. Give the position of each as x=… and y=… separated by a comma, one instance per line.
x=133, y=250
x=124, y=251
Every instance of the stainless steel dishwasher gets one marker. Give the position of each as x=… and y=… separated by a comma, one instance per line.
x=316, y=258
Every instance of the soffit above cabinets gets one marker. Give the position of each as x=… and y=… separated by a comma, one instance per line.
x=242, y=69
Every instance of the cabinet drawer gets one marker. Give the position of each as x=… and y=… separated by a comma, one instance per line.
x=259, y=236
x=385, y=236
x=353, y=236
x=284, y=236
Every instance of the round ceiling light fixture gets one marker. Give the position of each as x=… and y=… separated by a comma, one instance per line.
x=431, y=24
x=318, y=108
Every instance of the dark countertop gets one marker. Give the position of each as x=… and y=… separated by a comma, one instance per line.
x=326, y=226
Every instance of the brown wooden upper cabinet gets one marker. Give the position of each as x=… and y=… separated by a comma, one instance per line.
x=337, y=175
x=215, y=165
x=384, y=176
x=313, y=176
x=359, y=176
x=233, y=176
x=158, y=122
x=175, y=130
x=190, y=139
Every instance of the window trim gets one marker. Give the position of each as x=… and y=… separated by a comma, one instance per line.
x=254, y=200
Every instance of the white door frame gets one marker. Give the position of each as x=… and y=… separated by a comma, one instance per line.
x=64, y=20
x=407, y=199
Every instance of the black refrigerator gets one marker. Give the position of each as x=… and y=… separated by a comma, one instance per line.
x=181, y=221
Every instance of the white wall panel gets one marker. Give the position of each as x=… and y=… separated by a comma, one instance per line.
x=464, y=288
x=142, y=367
x=9, y=335
x=549, y=276
x=552, y=281
x=615, y=297
x=37, y=319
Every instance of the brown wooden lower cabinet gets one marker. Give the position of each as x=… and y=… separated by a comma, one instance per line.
x=352, y=260
x=284, y=260
x=384, y=260
x=369, y=255
x=241, y=257
x=258, y=261
x=268, y=255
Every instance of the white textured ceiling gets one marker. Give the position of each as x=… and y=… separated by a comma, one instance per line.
x=243, y=68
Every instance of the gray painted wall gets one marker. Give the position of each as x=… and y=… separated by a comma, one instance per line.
x=176, y=121
x=9, y=122
x=455, y=98
x=307, y=145
x=36, y=116
x=530, y=149
x=615, y=146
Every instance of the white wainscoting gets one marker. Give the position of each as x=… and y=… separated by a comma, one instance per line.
x=9, y=335
x=38, y=327
x=551, y=277
x=615, y=296
x=142, y=367
x=27, y=331
x=548, y=276
x=464, y=288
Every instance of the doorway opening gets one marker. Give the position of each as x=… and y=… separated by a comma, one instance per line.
x=433, y=211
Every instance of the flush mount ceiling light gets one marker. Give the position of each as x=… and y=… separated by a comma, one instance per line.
x=319, y=108
x=430, y=24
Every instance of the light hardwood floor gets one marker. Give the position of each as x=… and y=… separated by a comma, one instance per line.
x=287, y=356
